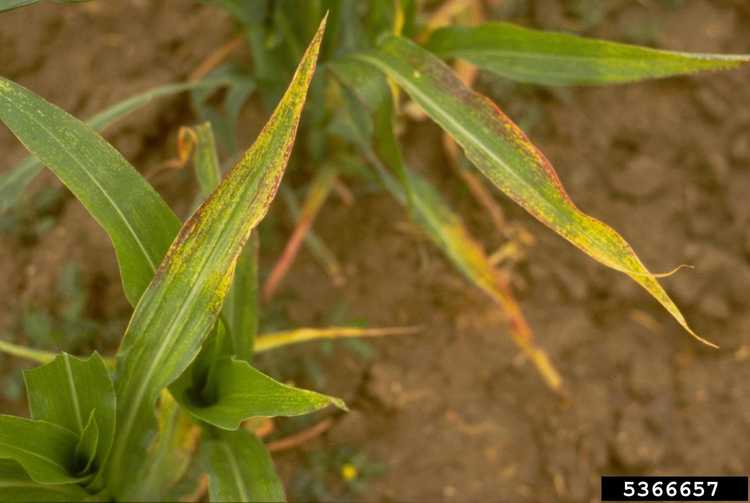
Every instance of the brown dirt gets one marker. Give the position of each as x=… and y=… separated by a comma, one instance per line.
x=455, y=413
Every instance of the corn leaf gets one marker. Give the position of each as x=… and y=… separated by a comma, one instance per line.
x=503, y=153
x=86, y=448
x=14, y=4
x=13, y=183
x=43, y=449
x=444, y=227
x=30, y=354
x=240, y=469
x=183, y=301
x=137, y=220
x=275, y=340
x=241, y=306
x=68, y=391
x=17, y=486
x=177, y=440
x=206, y=160
x=242, y=392
x=560, y=59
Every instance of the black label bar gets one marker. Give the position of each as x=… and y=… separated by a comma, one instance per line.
x=635, y=488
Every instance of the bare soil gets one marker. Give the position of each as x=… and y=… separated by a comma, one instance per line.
x=455, y=413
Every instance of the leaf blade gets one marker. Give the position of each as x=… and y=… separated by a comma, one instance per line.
x=68, y=390
x=553, y=58
x=44, y=449
x=138, y=221
x=243, y=392
x=503, y=153
x=183, y=301
x=232, y=480
x=13, y=183
x=17, y=486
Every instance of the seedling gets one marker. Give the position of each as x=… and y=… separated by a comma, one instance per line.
x=183, y=384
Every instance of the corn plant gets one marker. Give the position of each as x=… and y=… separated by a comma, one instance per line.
x=175, y=400
x=382, y=57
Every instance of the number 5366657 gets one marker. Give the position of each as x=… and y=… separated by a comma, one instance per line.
x=657, y=489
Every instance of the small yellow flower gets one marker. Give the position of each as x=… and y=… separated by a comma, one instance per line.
x=349, y=472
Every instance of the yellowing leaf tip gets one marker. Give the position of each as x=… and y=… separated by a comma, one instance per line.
x=673, y=271
x=339, y=403
x=701, y=339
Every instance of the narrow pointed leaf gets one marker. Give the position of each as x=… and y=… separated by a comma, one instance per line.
x=45, y=450
x=444, y=227
x=69, y=390
x=183, y=301
x=86, y=449
x=206, y=160
x=275, y=340
x=138, y=221
x=240, y=469
x=448, y=232
x=17, y=486
x=30, y=354
x=241, y=306
x=243, y=392
x=551, y=58
x=503, y=153
x=15, y=181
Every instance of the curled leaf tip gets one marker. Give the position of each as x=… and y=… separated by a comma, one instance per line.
x=673, y=271
x=701, y=339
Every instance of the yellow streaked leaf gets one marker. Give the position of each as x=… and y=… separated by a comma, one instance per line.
x=503, y=153
x=183, y=301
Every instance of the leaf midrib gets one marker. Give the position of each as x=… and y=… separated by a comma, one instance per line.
x=73, y=392
x=236, y=474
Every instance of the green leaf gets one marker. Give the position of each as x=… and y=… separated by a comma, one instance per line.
x=243, y=392
x=241, y=306
x=68, y=390
x=14, y=4
x=503, y=153
x=183, y=301
x=206, y=160
x=137, y=220
x=13, y=183
x=240, y=469
x=171, y=455
x=551, y=58
x=45, y=450
x=17, y=486
x=86, y=449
